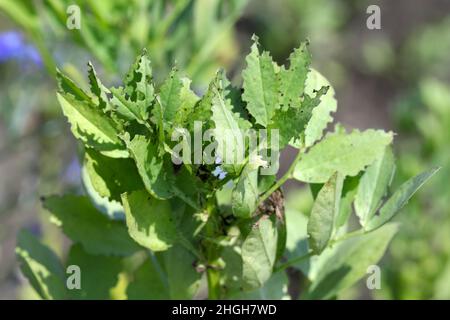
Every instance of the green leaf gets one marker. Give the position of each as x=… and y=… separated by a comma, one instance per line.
x=111, y=177
x=260, y=85
x=92, y=127
x=188, y=102
x=155, y=170
x=297, y=235
x=138, y=84
x=126, y=108
x=315, y=188
x=245, y=193
x=98, y=274
x=291, y=123
x=349, y=190
x=373, y=186
x=111, y=208
x=98, y=89
x=347, y=154
x=134, y=101
x=184, y=280
x=150, y=222
x=348, y=261
x=41, y=266
x=276, y=288
x=170, y=96
x=158, y=119
x=258, y=253
x=202, y=111
x=282, y=236
x=323, y=214
x=293, y=80
x=82, y=223
x=321, y=114
x=229, y=130
x=149, y=282
x=265, y=182
x=231, y=276
x=399, y=199
x=188, y=187
x=68, y=88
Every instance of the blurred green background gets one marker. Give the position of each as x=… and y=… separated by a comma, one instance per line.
x=396, y=78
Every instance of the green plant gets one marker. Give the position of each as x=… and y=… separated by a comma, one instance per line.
x=167, y=227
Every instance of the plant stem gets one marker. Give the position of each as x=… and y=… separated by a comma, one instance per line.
x=348, y=236
x=213, y=277
x=189, y=246
x=293, y=261
x=212, y=274
x=180, y=194
x=310, y=254
x=287, y=175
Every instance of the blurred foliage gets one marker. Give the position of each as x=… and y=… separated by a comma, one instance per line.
x=419, y=263
x=318, y=20
x=186, y=31
x=427, y=50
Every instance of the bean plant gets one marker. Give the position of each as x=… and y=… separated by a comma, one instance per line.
x=155, y=224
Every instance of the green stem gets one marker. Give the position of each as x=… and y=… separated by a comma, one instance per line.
x=292, y=262
x=180, y=194
x=287, y=175
x=213, y=277
x=188, y=246
x=347, y=236
x=310, y=254
x=212, y=274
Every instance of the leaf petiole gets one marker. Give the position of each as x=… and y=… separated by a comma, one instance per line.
x=296, y=260
x=287, y=175
x=292, y=262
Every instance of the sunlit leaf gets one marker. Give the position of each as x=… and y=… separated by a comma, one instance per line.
x=347, y=154
x=260, y=85
x=258, y=253
x=98, y=274
x=399, y=199
x=348, y=261
x=323, y=214
x=41, y=266
x=149, y=282
x=321, y=115
x=150, y=222
x=373, y=186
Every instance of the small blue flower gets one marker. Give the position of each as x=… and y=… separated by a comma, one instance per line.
x=14, y=47
x=218, y=171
